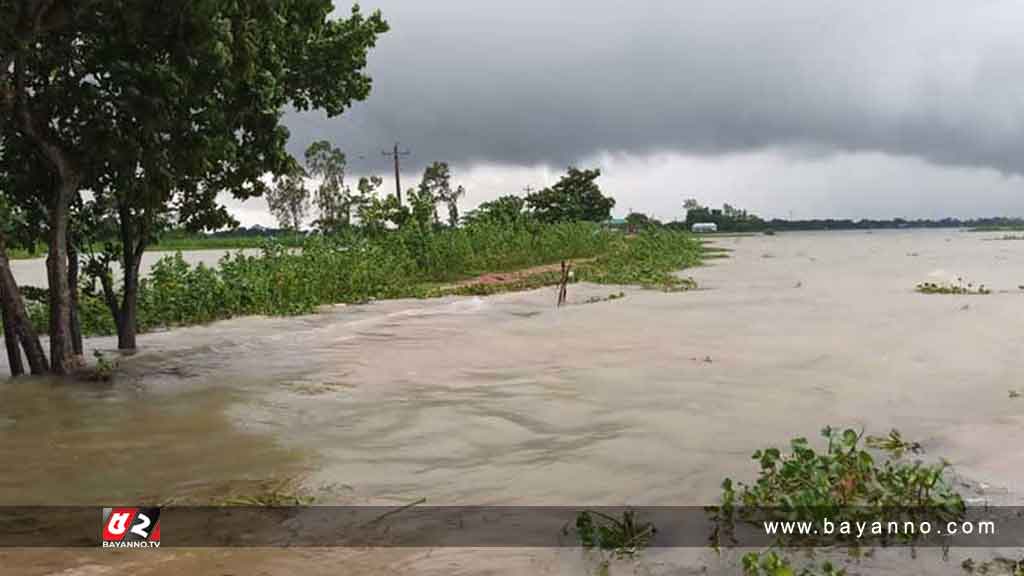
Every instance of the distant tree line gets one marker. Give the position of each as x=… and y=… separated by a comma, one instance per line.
x=433, y=204
x=895, y=223
x=730, y=219
x=727, y=218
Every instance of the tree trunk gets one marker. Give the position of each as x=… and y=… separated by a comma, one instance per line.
x=133, y=244
x=11, y=338
x=62, y=357
x=127, y=325
x=14, y=311
x=76, y=324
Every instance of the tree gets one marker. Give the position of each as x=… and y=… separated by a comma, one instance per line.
x=225, y=119
x=728, y=218
x=288, y=200
x=695, y=213
x=162, y=105
x=434, y=188
x=691, y=204
x=366, y=190
x=437, y=178
x=452, y=200
x=375, y=213
x=507, y=210
x=424, y=198
x=22, y=224
x=422, y=207
x=18, y=329
x=333, y=198
x=47, y=97
x=576, y=197
x=639, y=221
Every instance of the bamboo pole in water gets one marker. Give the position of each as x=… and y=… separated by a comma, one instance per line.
x=563, y=284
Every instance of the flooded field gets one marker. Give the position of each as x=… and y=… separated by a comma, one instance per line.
x=648, y=400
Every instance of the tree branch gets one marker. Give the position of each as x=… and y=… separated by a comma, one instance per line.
x=26, y=124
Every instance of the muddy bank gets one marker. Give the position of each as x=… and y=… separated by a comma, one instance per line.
x=651, y=399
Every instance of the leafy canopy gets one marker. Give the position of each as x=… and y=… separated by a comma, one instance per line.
x=333, y=198
x=288, y=200
x=508, y=209
x=576, y=197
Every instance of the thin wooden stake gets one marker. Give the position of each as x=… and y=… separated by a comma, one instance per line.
x=563, y=284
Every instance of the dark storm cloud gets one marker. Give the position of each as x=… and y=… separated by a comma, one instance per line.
x=532, y=81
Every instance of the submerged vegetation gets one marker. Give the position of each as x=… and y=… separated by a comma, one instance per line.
x=894, y=444
x=608, y=298
x=620, y=537
x=998, y=567
x=283, y=493
x=264, y=493
x=958, y=287
x=773, y=564
x=104, y=369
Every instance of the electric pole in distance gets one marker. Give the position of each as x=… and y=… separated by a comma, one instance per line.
x=398, y=182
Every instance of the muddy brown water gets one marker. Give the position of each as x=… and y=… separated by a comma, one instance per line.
x=648, y=400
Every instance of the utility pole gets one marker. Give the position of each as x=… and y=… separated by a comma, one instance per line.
x=398, y=182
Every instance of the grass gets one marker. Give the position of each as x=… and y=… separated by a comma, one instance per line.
x=23, y=254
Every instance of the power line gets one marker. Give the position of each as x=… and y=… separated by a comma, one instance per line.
x=397, y=156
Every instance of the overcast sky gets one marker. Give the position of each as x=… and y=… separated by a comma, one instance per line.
x=804, y=108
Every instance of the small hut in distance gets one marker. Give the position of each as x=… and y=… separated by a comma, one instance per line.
x=704, y=227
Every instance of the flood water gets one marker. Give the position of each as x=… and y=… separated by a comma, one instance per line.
x=32, y=272
x=648, y=400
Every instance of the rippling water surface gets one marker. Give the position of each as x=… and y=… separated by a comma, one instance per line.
x=651, y=399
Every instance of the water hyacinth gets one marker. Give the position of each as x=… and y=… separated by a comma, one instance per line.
x=285, y=280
